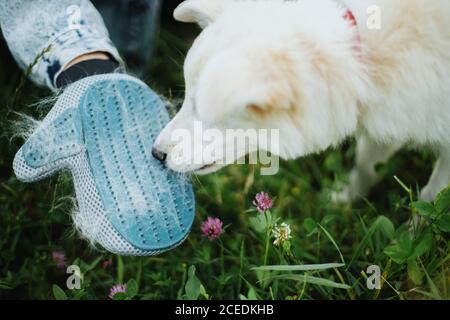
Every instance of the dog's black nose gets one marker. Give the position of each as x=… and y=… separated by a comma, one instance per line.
x=159, y=155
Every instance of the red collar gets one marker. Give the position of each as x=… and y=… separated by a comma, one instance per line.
x=349, y=16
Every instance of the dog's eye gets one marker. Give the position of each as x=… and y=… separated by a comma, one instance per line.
x=194, y=107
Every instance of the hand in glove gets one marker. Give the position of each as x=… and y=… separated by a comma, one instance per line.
x=102, y=129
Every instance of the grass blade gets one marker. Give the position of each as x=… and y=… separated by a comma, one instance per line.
x=333, y=242
x=303, y=267
x=311, y=280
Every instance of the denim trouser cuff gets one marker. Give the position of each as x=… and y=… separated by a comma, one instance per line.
x=66, y=47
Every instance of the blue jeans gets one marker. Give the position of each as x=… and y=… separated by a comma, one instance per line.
x=132, y=25
x=49, y=34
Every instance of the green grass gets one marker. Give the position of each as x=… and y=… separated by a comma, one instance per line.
x=330, y=249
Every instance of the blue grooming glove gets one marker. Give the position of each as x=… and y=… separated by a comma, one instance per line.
x=102, y=129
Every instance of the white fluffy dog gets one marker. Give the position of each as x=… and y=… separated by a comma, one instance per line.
x=302, y=68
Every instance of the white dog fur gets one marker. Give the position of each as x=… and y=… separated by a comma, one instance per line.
x=292, y=65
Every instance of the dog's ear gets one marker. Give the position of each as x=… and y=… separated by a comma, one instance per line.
x=202, y=12
x=260, y=82
x=273, y=82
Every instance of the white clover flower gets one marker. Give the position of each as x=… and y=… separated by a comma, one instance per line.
x=281, y=233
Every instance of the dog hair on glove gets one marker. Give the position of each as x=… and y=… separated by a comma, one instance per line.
x=102, y=129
